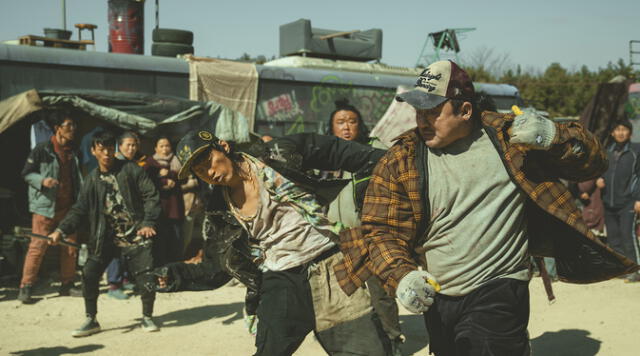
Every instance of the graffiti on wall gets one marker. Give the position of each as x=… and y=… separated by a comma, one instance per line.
x=371, y=102
x=281, y=108
x=286, y=107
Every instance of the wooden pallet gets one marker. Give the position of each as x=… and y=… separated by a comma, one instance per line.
x=31, y=40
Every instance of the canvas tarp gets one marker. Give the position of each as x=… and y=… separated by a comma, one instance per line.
x=232, y=84
x=146, y=114
x=398, y=118
x=18, y=106
x=605, y=108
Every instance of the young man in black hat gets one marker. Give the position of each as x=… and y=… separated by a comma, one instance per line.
x=455, y=208
x=121, y=205
x=621, y=193
x=291, y=241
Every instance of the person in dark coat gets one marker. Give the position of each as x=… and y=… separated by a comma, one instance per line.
x=621, y=193
x=121, y=205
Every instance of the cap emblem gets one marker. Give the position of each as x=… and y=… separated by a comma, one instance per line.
x=184, y=153
x=205, y=135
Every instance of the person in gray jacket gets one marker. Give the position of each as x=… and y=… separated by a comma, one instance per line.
x=621, y=194
x=121, y=205
x=52, y=172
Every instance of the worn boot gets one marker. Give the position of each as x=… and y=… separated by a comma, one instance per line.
x=89, y=327
x=25, y=294
x=68, y=289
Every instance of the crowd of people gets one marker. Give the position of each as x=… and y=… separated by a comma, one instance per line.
x=328, y=231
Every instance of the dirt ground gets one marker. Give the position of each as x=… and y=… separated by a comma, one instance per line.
x=598, y=319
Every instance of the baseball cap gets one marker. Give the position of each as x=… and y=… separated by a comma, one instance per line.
x=191, y=146
x=436, y=84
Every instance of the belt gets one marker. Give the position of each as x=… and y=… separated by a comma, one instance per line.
x=321, y=257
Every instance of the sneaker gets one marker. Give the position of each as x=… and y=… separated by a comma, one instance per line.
x=127, y=285
x=25, y=294
x=89, y=327
x=117, y=294
x=632, y=278
x=69, y=290
x=149, y=325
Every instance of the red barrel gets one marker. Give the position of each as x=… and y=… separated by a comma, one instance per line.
x=126, y=26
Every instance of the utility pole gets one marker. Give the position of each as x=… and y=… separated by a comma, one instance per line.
x=64, y=15
x=633, y=51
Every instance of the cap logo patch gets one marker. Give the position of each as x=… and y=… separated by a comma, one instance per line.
x=205, y=135
x=426, y=80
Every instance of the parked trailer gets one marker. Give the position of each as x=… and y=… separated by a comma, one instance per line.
x=290, y=99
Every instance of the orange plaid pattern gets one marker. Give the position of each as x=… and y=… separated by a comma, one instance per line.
x=386, y=245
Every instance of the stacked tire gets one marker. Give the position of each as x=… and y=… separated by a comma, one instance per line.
x=168, y=42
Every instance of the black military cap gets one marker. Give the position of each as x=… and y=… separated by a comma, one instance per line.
x=193, y=145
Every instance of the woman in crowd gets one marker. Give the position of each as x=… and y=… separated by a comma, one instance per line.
x=163, y=168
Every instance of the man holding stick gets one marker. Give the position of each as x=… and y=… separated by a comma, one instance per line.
x=121, y=205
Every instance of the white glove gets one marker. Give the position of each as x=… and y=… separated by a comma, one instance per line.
x=416, y=291
x=533, y=130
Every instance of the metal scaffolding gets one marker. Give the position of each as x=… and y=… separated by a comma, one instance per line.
x=445, y=44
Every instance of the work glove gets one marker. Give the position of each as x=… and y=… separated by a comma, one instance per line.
x=533, y=130
x=416, y=291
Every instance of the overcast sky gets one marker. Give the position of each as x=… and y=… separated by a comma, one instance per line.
x=532, y=34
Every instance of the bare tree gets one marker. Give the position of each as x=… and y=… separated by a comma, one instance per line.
x=487, y=59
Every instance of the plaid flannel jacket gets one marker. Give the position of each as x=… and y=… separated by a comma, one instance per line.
x=386, y=244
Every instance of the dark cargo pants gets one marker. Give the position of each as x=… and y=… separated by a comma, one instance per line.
x=307, y=298
x=138, y=262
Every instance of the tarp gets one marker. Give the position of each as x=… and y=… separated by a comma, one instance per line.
x=146, y=114
x=398, y=118
x=605, y=108
x=232, y=84
x=16, y=107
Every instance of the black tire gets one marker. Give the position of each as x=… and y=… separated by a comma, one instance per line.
x=169, y=35
x=170, y=49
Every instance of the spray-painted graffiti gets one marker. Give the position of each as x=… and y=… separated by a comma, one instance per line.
x=281, y=108
x=372, y=103
x=287, y=107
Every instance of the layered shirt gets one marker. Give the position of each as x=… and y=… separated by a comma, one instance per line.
x=289, y=227
x=387, y=244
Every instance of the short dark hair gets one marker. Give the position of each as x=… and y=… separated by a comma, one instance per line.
x=479, y=103
x=161, y=137
x=129, y=134
x=58, y=117
x=103, y=138
x=624, y=122
x=343, y=104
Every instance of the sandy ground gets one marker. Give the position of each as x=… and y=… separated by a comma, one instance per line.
x=598, y=319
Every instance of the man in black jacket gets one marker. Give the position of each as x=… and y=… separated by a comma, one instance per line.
x=121, y=205
x=621, y=193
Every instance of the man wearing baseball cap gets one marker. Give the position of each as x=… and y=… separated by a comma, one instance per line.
x=457, y=206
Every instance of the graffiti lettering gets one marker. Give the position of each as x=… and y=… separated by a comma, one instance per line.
x=282, y=107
